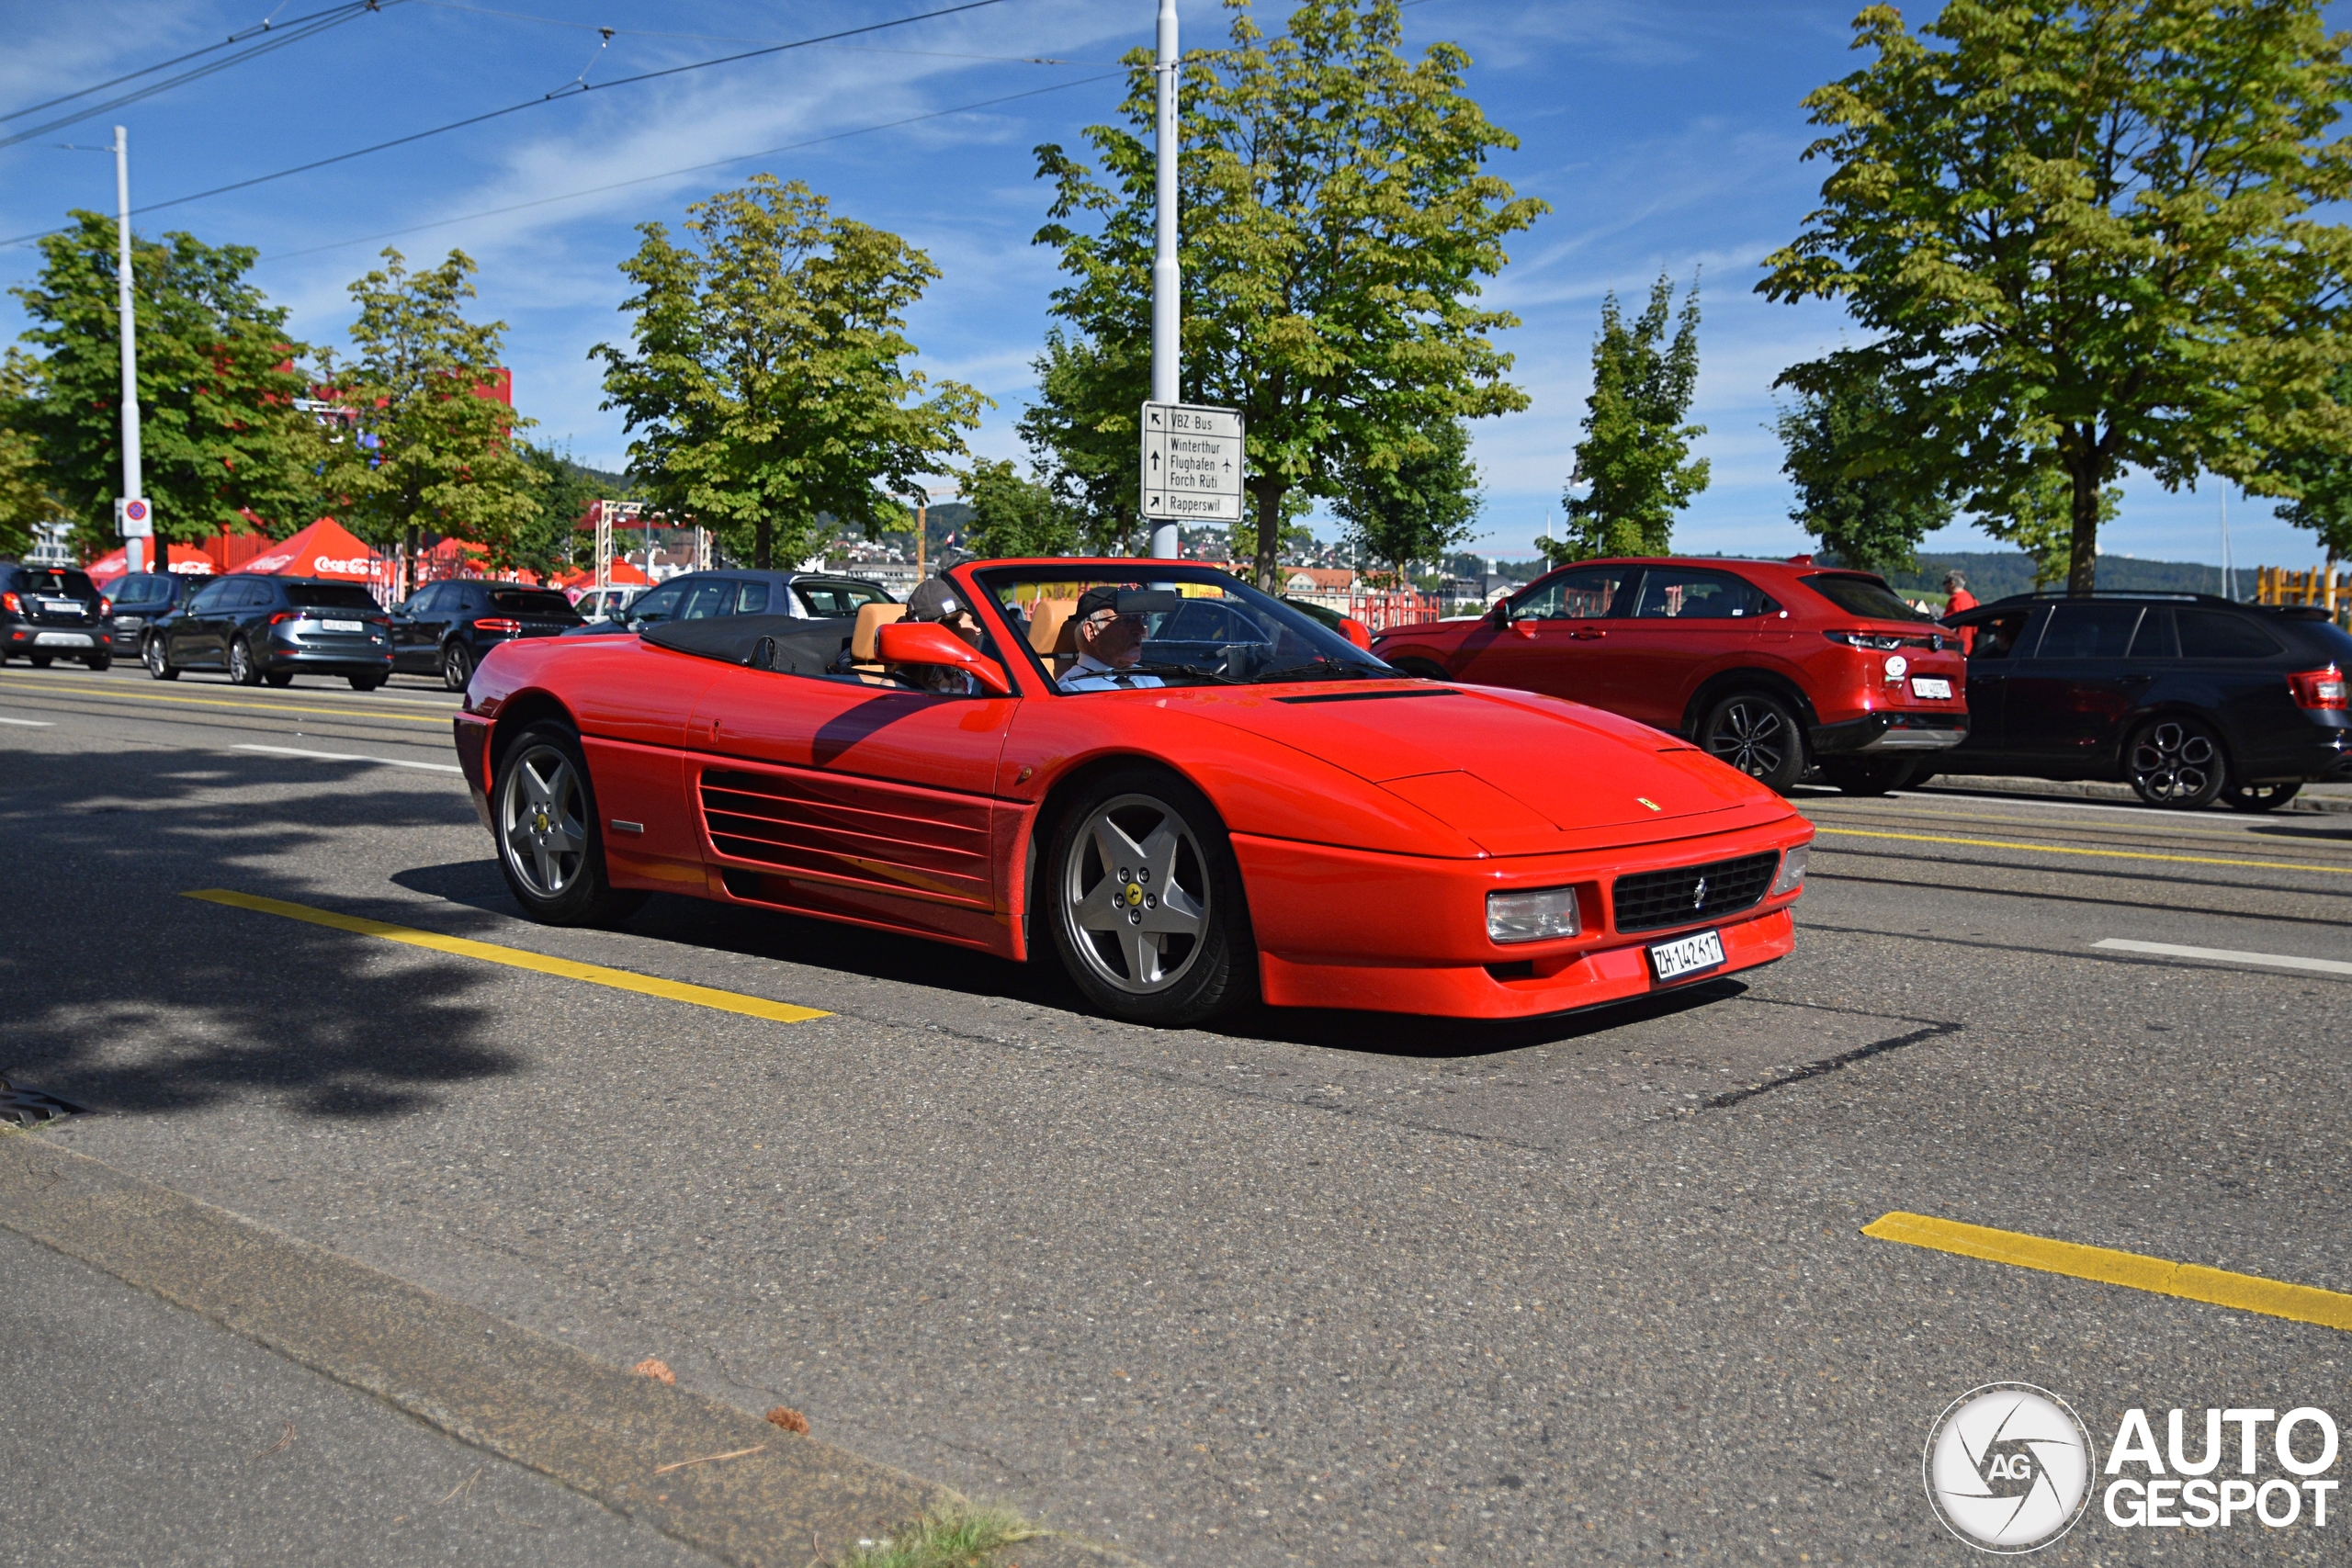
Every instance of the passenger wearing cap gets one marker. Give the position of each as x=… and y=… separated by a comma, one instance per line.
x=1108, y=643
x=936, y=600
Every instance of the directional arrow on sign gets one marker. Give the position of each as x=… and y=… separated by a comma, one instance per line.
x=1157, y=418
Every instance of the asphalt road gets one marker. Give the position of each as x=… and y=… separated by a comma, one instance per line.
x=1317, y=1288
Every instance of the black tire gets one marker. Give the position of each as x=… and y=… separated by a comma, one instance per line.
x=100, y=661
x=542, y=798
x=39, y=661
x=2259, y=797
x=158, y=660
x=2177, y=763
x=1868, y=775
x=366, y=683
x=1124, y=969
x=1757, y=733
x=456, y=666
x=244, y=670
x=279, y=678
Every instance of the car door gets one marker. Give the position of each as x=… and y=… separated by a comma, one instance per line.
x=1687, y=621
x=1556, y=639
x=2066, y=705
x=868, y=802
x=1995, y=643
x=195, y=637
x=658, y=605
x=412, y=649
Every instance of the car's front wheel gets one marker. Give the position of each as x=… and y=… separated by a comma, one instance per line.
x=456, y=666
x=2177, y=763
x=2259, y=797
x=1146, y=903
x=158, y=661
x=548, y=847
x=1758, y=734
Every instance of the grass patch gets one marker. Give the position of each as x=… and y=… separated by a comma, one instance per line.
x=958, y=1536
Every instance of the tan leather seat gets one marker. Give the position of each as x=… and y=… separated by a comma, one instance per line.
x=864, y=640
x=1046, y=619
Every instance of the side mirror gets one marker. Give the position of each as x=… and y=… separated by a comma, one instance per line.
x=928, y=642
x=1356, y=632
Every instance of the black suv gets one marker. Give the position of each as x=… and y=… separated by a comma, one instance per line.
x=446, y=628
x=706, y=595
x=53, y=612
x=143, y=598
x=273, y=628
x=2188, y=697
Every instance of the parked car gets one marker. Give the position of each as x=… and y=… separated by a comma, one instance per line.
x=445, y=628
x=1254, y=807
x=54, y=611
x=257, y=630
x=1348, y=627
x=705, y=595
x=142, y=599
x=1772, y=666
x=2189, y=698
x=607, y=603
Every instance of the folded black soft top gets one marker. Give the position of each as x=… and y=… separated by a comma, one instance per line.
x=786, y=643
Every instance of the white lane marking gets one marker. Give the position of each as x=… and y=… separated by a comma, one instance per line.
x=30, y=723
x=347, y=757
x=2226, y=955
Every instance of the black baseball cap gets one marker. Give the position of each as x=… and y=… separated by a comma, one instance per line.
x=933, y=600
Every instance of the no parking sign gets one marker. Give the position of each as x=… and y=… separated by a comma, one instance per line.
x=132, y=519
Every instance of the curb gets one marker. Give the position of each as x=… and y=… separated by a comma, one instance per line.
x=537, y=1401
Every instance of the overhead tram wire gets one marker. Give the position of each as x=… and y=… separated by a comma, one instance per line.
x=353, y=8
x=565, y=93
x=275, y=38
x=690, y=168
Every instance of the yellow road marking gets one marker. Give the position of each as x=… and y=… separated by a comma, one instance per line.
x=516, y=958
x=2190, y=1282
x=36, y=687
x=2065, y=849
x=85, y=683
x=2045, y=825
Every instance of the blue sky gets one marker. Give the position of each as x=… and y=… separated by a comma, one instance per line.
x=1665, y=135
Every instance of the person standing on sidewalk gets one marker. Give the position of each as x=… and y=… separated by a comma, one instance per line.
x=1960, y=602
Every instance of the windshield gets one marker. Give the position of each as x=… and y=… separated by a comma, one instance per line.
x=332, y=596
x=1863, y=596
x=142, y=588
x=1163, y=625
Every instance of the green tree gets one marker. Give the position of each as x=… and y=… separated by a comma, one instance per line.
x=2082, y=227
x=25, y=496
x=1854, y=493
x=1635, y=461
x=1082, y=437
x=443, y=456
x=768, y=381
x=2038, y=517
x=1336, y=219
x=221, y=443
x=553, y=542
x=2319, y=480
x=1420, y=510
x=1013, y=516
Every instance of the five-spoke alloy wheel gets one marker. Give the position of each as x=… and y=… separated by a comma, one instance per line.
x=1145, y=900
x=2178, y=763
x=545, y=812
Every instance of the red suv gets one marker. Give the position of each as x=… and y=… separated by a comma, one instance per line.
x=1773, y=667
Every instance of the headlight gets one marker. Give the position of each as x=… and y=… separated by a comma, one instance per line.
x=1531, y=917
x=1792, y=875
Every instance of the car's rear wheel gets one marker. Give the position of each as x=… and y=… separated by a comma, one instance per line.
x=244, y=670
x=39, y=661
x=102, y=659
x=1758, y=734
x=366, y=683
x=2177, y=763
x=456, y=666
x=1146, y=904
x=158, y=661
x=2259, y=797
x=1868, y=775
x=279, y=677
x=548, y=847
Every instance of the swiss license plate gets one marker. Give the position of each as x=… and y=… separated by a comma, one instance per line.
x=346, y=625
x=59, y=606
x=1687, y=956
x=126, y=622
x=1931, y=686
x=61, y=640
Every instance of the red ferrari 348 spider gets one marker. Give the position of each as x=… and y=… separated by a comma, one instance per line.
x=1187, y=791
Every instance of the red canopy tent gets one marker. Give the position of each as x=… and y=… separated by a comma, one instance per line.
x=325, y=548
x=623, y=575
x=186, y=560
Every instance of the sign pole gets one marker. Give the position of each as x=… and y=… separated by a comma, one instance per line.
x=123, y=308
x=1167, y=344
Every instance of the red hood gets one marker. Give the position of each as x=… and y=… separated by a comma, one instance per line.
x=1508, y=768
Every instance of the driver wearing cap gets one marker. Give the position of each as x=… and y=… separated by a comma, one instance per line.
x=1108, y=643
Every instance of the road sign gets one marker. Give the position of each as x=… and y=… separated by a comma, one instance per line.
x=1192, y=463
x=132, y=519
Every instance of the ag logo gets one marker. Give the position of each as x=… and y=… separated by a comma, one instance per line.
x=2008, y=1467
